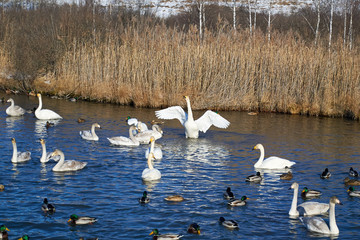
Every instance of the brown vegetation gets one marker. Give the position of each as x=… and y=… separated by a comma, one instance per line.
x=140, y=60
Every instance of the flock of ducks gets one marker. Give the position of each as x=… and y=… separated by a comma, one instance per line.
x=140, y=134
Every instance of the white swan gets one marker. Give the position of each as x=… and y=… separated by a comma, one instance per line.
x=68, y=165
x=151, y=173
x=306, y=208
x=14, y=110
x=45, y=114
x=140, y=125
x=157, y=152
x=45, y=157
x=144, y=136
x=124, y=141
x=271, y=162
x=19, y=156
x=90, y=135
x=192, y=127
x=318, y=225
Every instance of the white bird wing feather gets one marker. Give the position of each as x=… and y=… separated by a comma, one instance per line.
x=132, y=121
x=315, y=224
x=211, y=118
x=86, y=133
x=175, y=112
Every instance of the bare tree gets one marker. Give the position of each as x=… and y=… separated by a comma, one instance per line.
x=255, y=15
x=317, y=5
x=250, y=20
x=351, y=24
x=345, y=19
x=269, y=20
x=201, y=8
x=234, y=14
x=331, y=22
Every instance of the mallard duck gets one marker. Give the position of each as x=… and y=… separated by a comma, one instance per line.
x=353, y=173
x=68, y=165
x=158, y=236
x=318, y=225
x=306, y=208
x=228, y=223
x=144, y=198
x=353, y=193
x=174, y=198
x=45, y=114
x=157, y=122
x=351, y=182
x=14, y=110
x=192, y=127
x=310, y=193
x=90, y=135
x=194, y=228
x=19, y=156
x=76, y=220
x=47, y=207
x=238, y=202
x=325, y=174
x=271, y=162
x=254, y=178
x=80, y=120
x=4, y=232
x=24, y=237
x=228, y=194
x=286, y=176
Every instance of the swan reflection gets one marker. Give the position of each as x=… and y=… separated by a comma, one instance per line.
x=42, y=125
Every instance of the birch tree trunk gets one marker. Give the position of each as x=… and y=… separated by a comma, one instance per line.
x=331, y=22
x=351, y=25
x=317, y=2
x=345, y=19
x=234, y=14
x=250, y=20
x=269, y=22
x=255, y=16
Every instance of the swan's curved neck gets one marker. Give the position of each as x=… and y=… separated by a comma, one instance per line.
x=332, y=222
x=12, y=103
x=93, y=131
x=190, y=114
x=61, y=161
x=261, y=158
x=14, y=156
x=131, y=134
x=40, y=104
x=293, y=210
x=43, y=156
x=151, y=154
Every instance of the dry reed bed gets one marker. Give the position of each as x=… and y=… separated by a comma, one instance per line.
x=156, y=66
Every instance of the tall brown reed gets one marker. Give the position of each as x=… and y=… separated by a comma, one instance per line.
x=156, y=66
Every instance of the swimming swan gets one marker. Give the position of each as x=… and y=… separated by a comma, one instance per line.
x=68, y=165
x=14, y=110
x=90, y=135
x=144, y=136
x=151, y=173
x=271, y=162
x=45, y=114
x=192, y=127
x=45, y=157
x=124, y=141
x=19, y=156
x=157, y=152
x=318, y=225
x=306, y=208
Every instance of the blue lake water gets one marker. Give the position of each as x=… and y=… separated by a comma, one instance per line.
x=200, y=170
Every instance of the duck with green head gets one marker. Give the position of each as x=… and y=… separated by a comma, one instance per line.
x=158, y=236
x=238, y=202
x=310, y=193
x=24, y=237
x=353, y=193
x=194, y=228
x=76, y=220
x=4, y=232
x=144, y=198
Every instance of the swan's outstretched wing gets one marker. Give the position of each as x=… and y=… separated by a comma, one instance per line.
x=172, y=113
x=211, y=118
